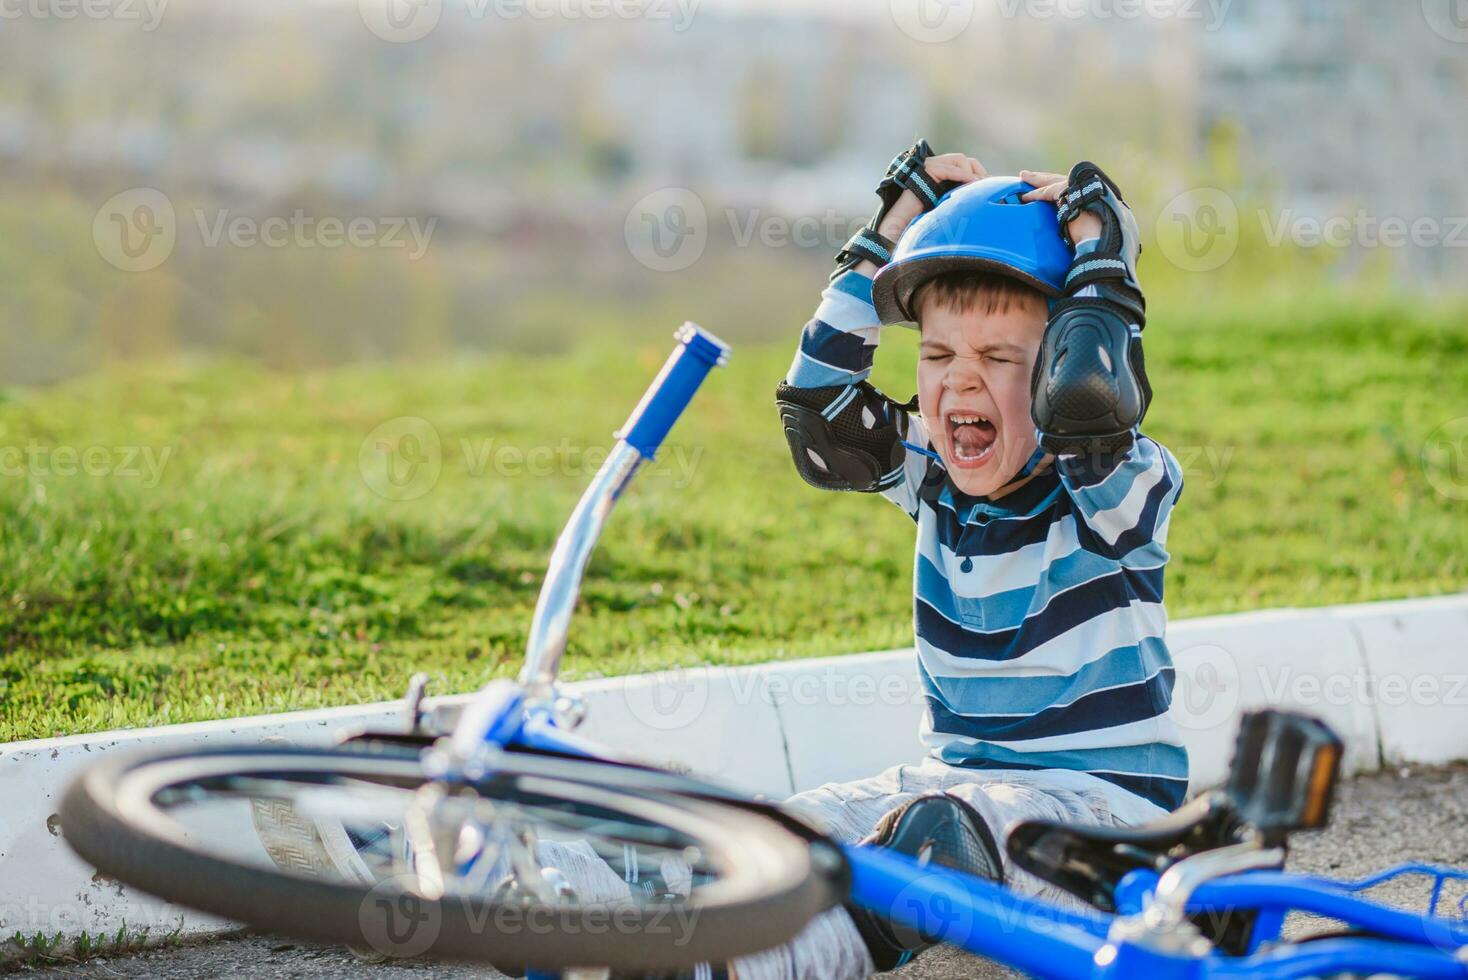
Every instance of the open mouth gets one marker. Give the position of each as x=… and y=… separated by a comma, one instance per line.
x=971, y=438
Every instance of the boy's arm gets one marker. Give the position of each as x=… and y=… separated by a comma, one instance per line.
x=839, y=344
x=1123, y=485
x=1090, y=390
x=844, y=434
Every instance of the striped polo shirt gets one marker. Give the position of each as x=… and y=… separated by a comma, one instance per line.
x=1039, y=616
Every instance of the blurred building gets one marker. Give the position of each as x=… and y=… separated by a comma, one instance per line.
x=1347, y=108
x=1333, y=107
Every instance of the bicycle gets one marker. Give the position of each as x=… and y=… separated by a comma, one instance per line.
x=451, y=838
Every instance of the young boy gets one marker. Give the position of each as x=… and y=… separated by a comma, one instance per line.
x=1041, y=513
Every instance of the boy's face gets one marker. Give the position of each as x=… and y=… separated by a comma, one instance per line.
x=974, y=390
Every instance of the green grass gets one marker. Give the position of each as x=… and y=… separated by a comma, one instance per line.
x=20, y=952
x=261, y=572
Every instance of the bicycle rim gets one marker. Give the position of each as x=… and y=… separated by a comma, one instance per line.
x=355, y=846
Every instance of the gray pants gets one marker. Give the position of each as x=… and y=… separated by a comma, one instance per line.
x=830, y=948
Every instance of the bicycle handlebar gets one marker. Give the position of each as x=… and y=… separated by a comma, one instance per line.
x=697, y=353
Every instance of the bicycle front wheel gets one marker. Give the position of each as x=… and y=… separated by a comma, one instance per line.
x=543, y=863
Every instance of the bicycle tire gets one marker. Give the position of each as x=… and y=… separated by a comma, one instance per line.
x=776, y=881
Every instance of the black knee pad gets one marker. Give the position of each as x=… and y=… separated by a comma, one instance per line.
x=937, y=829
x=1090, y=388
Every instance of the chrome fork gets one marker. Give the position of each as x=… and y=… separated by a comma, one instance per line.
x=552, y=620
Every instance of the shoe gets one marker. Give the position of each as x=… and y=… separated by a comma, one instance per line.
x=936, y=829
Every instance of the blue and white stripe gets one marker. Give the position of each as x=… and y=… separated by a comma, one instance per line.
x=1039, y=617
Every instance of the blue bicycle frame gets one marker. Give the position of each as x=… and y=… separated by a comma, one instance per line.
x=1150, y=937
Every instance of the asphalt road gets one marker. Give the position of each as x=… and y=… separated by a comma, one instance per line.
x=1416, y=815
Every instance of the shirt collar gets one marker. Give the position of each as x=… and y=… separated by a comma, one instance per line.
x=937, y=484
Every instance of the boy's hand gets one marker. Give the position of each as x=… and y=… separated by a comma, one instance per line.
x=1083, y=226
x=914, y=182
x=945, y=167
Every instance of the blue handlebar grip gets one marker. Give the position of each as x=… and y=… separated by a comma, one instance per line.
x=697, y=353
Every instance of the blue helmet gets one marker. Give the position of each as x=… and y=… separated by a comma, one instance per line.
x=981, y=226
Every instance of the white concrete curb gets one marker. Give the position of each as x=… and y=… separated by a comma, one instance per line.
x=1391, y=678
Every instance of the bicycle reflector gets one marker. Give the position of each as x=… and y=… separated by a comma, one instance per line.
x=1283, y=773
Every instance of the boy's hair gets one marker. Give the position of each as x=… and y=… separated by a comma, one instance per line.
x=975, y=291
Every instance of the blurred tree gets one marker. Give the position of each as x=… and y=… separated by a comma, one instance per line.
x=139, y=317
x=759, y=113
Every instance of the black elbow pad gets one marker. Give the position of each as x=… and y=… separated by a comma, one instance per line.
x=1090, y=388
x=844, y=437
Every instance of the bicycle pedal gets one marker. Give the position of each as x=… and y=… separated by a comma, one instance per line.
x=1283, y=773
